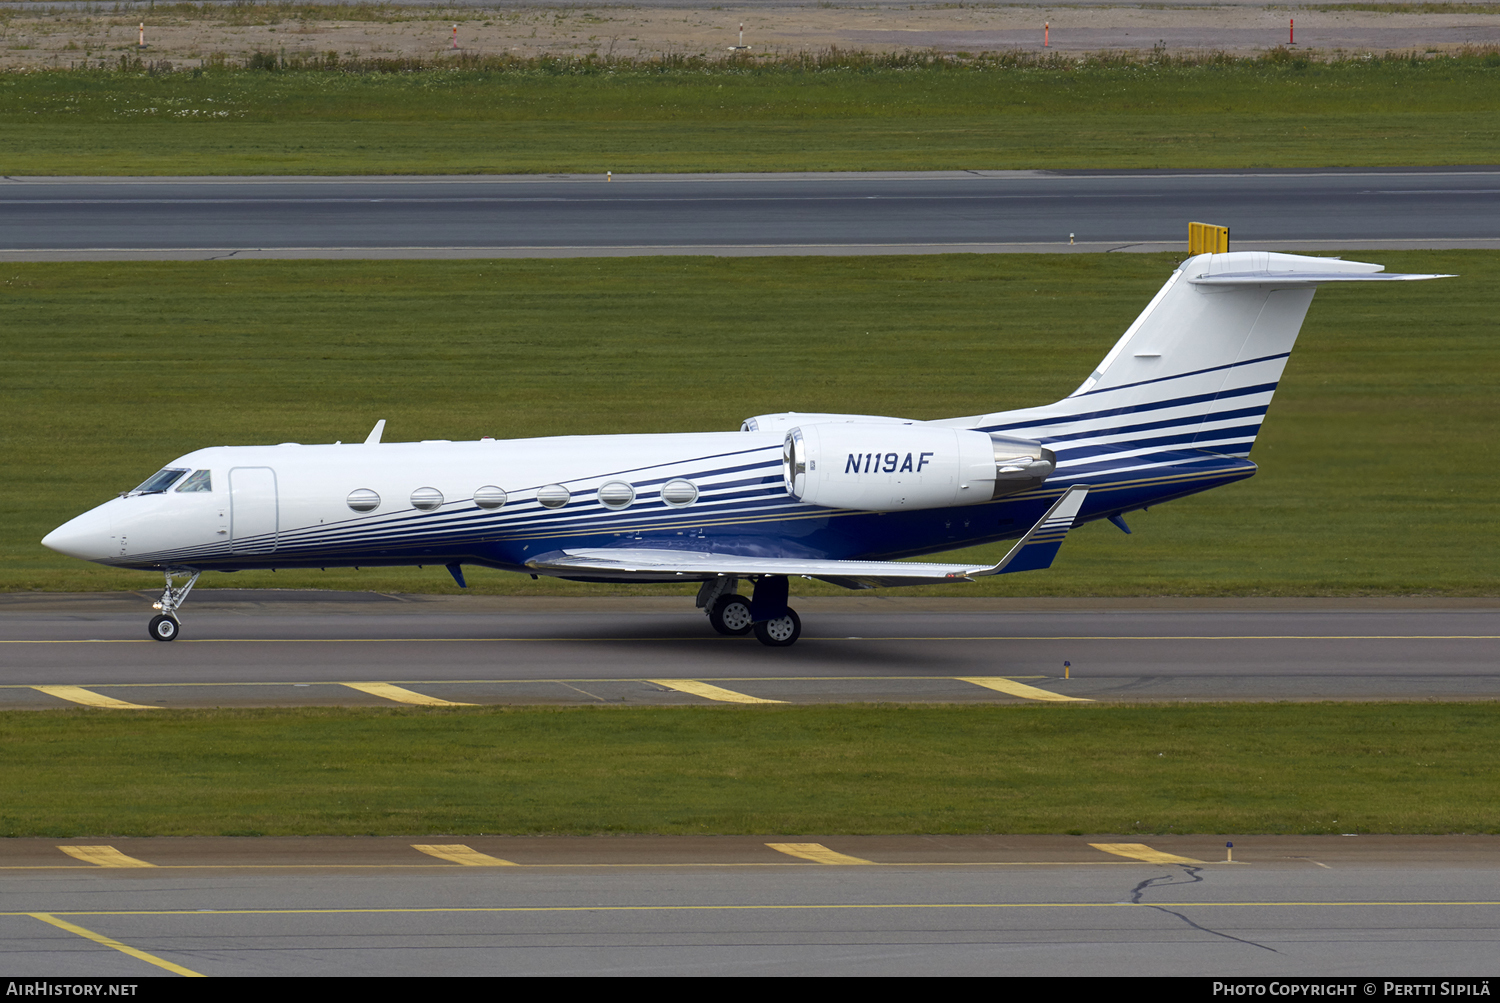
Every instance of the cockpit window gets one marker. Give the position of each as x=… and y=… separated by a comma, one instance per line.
x=201, y=480
x=159, y=481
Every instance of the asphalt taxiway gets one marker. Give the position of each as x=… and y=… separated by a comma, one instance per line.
x=264, y=648
x=111, y=907
x=163, y=218
x=888, y=905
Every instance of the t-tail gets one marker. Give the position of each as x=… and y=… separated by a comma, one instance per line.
x=1189, y=383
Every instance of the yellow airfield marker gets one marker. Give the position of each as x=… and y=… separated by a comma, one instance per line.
x=401, y=694
x=1002, y=685
x=77, y=694
x=103, y=856
x=100, y=938
x=458, y=853
x=817, y=853
x=708, y=691
x=1140, y=851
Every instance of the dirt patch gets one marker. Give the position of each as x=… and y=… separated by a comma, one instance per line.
x=193, y=36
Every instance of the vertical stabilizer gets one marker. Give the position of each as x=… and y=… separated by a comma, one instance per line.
x=1196, y=371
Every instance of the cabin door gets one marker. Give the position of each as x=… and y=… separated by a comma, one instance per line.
x=253, y=520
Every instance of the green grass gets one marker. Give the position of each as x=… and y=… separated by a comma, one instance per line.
x=1375, y=477
x=1277, y=768
x=835, y=112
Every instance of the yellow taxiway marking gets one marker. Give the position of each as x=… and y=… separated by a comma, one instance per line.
x=458, y=853
x=77, y=694
x=100, y=938
x=103, y=856
x=708, y=691
x=1140, y=851
x=401, y=694
x=817, y=853
x=1015, y=689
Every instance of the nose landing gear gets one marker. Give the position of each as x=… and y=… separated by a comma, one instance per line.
x=165, y=627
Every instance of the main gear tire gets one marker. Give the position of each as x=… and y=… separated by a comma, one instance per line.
x=731, y=615
x=781, y=632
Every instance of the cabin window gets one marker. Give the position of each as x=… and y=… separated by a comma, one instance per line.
x=200, y=480
x=159, y=481
x=489, y=496
x=616, y=495
x=427, y=499
x=553, y=496
x=363, y=500
x=679, y=493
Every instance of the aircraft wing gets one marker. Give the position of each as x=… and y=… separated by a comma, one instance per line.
x=1033, y=552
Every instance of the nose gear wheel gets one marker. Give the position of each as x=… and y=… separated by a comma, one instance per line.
x=163, y=628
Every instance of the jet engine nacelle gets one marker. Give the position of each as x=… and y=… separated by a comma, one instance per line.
x=891, y=468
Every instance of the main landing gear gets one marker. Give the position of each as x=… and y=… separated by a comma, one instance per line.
x=165, y=626
x=773, y=622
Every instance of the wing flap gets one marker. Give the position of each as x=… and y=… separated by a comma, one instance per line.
x=1034, y=551
x=668, y=564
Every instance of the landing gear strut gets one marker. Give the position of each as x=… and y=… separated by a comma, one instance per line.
x=165, y=626
x=774, y=623
x=777, y=625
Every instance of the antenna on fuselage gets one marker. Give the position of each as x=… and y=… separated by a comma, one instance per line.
x=373, y=439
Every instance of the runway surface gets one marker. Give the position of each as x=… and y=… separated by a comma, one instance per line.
x=249, y=648
x=1360, y=906
x=874, y=213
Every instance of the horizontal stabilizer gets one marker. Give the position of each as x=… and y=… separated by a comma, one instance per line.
x=1034, y=551
x=1304, y=278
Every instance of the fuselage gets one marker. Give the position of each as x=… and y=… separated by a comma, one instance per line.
x=500, y=503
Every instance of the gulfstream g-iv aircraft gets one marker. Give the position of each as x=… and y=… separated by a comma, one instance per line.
x=1172, y=410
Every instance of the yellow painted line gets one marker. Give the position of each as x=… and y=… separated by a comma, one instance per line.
x=708, y=691
x=402, y=695
x=1140, y=851
x=1003, y=685
x=103, y=856
x=100, y=938
x=817, y=853
x=828, y=906
x=77, y=694
x=458, y=853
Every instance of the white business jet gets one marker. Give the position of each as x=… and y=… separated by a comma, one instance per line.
x=1172, y=410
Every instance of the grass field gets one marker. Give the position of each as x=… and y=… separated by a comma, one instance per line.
x=1375, y=474
x=1270, y=768
x=835, y=112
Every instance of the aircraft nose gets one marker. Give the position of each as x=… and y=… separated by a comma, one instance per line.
x=87, y=537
